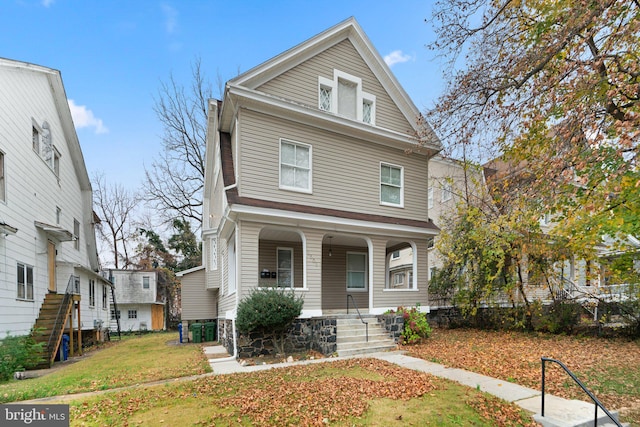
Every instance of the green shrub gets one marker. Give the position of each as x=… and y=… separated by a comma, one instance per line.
x=17, y=354
x=416, y=327
x=270, y=311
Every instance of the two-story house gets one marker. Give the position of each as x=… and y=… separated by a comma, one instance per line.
x=314, y=178
x=48, y=258
x=139, y=303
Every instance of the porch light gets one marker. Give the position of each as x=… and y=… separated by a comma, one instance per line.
x=330, y=251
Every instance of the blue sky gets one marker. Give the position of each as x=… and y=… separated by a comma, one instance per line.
x=114, y=54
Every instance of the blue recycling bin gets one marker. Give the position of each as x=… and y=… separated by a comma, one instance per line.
x=63, y=350
x=180, y=331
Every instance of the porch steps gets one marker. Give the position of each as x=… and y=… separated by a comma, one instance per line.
x=47, y=331
x=352, y=338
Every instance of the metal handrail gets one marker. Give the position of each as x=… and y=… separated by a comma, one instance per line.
x=366, y=325
x=582, y=386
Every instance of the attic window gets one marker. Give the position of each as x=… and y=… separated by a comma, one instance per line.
x=343, y=95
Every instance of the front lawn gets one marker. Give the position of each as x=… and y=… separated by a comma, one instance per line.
x=610, y=368
x=352, y=392
x=135, y=360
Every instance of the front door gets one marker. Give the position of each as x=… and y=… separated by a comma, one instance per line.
x=51, y=260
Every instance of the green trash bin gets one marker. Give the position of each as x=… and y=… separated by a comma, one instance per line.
x=210, y=331
x=196, y=332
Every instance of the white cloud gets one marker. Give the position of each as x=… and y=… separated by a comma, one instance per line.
x=171, y=18
x=396, y=57
x=47, y=3
x=84, y=118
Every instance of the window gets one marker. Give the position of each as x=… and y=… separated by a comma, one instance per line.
x=115, y=314
x=295, y=166
x=145, y=282
x=446, y=191
x=398, y=279
x=347, y=98
x=391, y=180
x=76, y=285
x=56, y=161
x=430, y=198
x=76, y=234
x=367, y=111
x=46, y=147
x=343, y=95
x=3, y=191
x=356, y=271
x=285, y=267
x=92, y=293
x=132, y=314
x=25, y=282
x=35, y=139
x=104, y=297
x=431, y=243
x=325, y=98
x=395, y=255
x=410, y=281
x=213, y=250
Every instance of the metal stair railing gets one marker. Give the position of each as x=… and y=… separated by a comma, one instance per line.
x=61, y=317
x=582, y=386
x=366, y=324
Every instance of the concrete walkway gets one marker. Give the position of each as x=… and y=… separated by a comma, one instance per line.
x=558, y=411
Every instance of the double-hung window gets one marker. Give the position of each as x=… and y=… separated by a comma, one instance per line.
x=295, y=166
x=356, y=271
x=25, y=282
x=104, y=297
x=145, y=282
x=132, y=314
x=92, y=293
x=76, y=234
x=391, y=185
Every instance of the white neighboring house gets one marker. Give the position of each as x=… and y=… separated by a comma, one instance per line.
x=48, y=257
x=138, y=302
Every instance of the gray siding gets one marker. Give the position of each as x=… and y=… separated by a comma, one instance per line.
x=268, y=260
x=345, y=171
x=334, y=274
x=198, y=303
x=300, y=84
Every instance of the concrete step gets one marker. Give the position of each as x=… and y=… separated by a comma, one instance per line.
x=366, y=350
x=571, y=413
x=345, y=339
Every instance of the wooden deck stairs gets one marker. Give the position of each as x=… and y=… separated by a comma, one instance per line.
x=49, y=327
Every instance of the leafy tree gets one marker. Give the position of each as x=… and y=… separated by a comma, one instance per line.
x=271, y=312
x=554, y=87
x=184, y=243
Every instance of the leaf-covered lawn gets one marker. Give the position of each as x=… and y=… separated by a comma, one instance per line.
x=135, y=360
x=353, y=392
x=608, y=367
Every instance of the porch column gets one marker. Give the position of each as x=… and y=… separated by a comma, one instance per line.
x=312, y=248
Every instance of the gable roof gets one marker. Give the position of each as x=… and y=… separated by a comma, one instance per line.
x=59, y=95
x=348, y=29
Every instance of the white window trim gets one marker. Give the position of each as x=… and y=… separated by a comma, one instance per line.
x=430, y=198
x=148, y=282
x=361, y=96
x=366, y=272
x=296, y=189
x=393, y=254
x=278, y=249
x=383, y=203
x=92, y=293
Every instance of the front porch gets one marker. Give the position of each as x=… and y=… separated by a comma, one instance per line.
x=337, y=271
